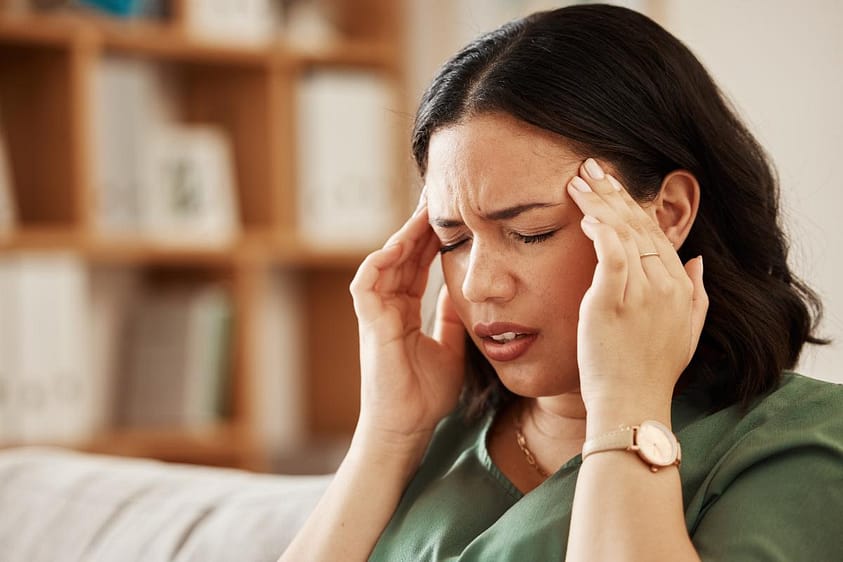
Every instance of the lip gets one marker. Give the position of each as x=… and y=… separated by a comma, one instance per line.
x=508, y=351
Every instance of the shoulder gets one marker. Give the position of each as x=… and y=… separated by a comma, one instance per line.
x=799, y=413
x=805, y=394
x=768, y=477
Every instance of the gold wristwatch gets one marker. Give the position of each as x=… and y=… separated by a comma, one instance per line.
x=655, y=444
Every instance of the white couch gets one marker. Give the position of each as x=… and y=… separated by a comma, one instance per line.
x=57, y=505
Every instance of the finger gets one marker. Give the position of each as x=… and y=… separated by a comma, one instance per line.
x=699, y=306
x=592, y=171
x=594, y=206
x=647, y=233
x=448, y=329
x=632, y=221
x=610, y=275
x=418, y=281
x=412, y=236
x=367, y=302
x=662, y=244
x=415, y=227
x=422, y=200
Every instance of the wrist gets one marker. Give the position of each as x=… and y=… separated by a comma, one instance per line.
x=389, y=450
x=608, y=415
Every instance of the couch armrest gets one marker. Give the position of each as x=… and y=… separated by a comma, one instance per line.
x=57, y=505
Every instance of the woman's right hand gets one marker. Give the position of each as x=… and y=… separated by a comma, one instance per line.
x=410, y=381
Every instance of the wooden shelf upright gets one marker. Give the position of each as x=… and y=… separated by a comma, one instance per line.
x=46, y=66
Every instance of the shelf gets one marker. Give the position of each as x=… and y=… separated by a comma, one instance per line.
x=325, y=259
x=48, y=67
x=53, y=238
x=162, y=42
x=346, y=53
x=167, y=42
x=135, y=252
x=251, y=249
x=38, y=30
x=219, y=444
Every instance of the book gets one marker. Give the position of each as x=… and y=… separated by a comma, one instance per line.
x=188, y=187
x=208, y=358
x=252, y=22
x=345, y=149
x=8, y=352
x=132, y=99
x=114, y=292
x=45, y=325
x=278, y=394
x=177, y=358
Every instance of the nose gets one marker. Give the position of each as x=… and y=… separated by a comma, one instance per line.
x=487, y=277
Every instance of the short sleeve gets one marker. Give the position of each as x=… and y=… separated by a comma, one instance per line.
x=785, y=507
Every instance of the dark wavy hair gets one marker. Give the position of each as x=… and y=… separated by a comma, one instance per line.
x=619, y=87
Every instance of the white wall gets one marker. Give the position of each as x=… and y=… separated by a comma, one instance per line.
x=781, y=63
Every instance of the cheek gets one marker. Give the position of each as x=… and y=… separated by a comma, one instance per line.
x=560, y=284
x=453, y=271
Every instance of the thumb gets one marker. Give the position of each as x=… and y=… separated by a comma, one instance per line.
x=448, y=329
x=699, y=301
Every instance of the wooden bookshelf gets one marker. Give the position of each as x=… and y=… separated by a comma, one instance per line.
x=46, y=65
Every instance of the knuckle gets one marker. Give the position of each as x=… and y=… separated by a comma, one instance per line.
x=653, y=228
x=625, y=233
x=637, y=227
x=616, y=263
x=664, y=288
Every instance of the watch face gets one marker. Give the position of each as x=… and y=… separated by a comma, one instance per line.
x=656, y=444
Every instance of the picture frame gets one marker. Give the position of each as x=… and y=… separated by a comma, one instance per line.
x=188, y=193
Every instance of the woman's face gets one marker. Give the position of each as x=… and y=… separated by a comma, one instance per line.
x=514, y=257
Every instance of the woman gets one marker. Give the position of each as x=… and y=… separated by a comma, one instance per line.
x=573, y=161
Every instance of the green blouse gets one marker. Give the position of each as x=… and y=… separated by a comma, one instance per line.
x=765, y=485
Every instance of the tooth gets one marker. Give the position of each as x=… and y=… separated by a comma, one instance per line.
x=505, y=337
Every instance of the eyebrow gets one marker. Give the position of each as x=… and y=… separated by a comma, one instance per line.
x=502, y=214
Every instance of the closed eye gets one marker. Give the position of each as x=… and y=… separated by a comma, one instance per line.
x=448, y=247
x=534, y=238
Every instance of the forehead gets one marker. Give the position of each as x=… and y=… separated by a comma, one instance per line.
x=491, y=161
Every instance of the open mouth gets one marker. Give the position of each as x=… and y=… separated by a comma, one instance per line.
x=504, y=341
x=505, y=337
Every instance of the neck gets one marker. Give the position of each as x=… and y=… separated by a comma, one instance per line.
x=556, y=418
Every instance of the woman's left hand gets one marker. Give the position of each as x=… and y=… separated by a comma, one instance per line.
x=641, y=319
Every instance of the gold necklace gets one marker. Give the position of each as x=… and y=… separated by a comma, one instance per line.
x=522, y=444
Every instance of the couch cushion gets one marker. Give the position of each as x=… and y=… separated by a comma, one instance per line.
x=57, y=505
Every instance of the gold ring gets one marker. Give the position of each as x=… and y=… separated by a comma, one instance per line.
x=648, y=254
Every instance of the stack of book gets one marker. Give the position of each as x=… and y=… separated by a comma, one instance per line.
x=157, y=179
x=346, y=145
x=176, y=359
x=46, y=393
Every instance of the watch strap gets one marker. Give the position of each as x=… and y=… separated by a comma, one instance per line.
x=620, y=439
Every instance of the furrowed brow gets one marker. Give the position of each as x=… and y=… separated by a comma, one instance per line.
x=502, y=214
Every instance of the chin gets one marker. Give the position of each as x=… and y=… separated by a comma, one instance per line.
x=533, y=381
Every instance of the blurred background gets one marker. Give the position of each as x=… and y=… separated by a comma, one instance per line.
x=188, y=186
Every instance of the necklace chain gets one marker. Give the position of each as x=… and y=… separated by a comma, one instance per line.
x=522, y=444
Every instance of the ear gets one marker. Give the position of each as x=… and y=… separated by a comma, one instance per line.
x=675, y=207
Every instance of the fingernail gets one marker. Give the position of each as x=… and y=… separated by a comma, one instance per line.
x=593, y=169
x=615, y=183
x=589, y=218
x=580, y=184
x=422, y=201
